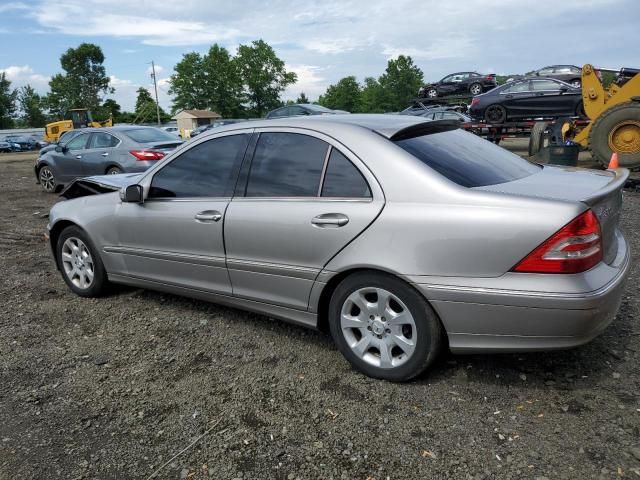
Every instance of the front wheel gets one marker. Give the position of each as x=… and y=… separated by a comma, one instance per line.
x=495, y=114
x=576, y=83
x=432, y=93
x=475, y=89
x=80, y=264
x=47, y=179
x=383, y=327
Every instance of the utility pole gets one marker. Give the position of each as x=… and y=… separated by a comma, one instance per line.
x=155, y=87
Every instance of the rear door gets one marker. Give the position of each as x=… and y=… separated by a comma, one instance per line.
x=99, y=154
x=304, y=198
x=176, y=236
x=549, y=99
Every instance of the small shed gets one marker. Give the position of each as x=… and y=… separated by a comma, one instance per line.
x=187, y=120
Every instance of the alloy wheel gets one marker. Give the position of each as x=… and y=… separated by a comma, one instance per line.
x=378, y=327
x=475, y=89
x=432, y=93
x=47, y=179
x=77, y=263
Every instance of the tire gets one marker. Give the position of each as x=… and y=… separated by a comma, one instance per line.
x=576, y=83
x=81, y=266
x=419, y=333
x=432, y=93
x=475, y=89
x=114, y=170
x=536, y=140
x=617, y=129
x=495, y=114
x=47, y=179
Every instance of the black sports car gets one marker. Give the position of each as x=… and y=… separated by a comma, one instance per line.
x=528, y=98
x=459, y=83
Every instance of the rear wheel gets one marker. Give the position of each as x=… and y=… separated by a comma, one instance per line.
x=432, y=93
x=383, y=327
x=114, y=171
x=495, y=114
x=47, y=179
x=576, y=83
x=475, y=89
x=80, y=264
x=617, y=130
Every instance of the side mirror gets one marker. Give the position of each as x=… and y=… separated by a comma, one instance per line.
x=133, y=194
x=61, y=148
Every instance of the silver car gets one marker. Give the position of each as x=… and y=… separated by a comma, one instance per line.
x=398, y=235
x=99, y=151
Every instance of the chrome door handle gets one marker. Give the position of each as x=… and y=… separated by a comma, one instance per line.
x=78, y=157
x=330, y=220
x=208, y=216
x=105, y=154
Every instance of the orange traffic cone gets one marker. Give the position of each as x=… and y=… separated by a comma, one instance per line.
x=613, y=163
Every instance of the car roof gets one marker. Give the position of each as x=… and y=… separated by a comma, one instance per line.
x=393, y=127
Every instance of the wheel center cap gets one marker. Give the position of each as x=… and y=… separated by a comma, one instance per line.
x=377, y=327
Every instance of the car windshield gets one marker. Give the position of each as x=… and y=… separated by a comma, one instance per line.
x=467, y=159
x=148, y=135
x=317, y=108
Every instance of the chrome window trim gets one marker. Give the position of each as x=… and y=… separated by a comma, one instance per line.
x=324, y=169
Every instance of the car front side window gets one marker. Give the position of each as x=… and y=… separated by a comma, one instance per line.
x=78, y=143
x=208, y=169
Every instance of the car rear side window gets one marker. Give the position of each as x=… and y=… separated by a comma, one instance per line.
x=467, y=159
x=286, y=165
x=208, y=169
x=102, y=140
x=342, y=179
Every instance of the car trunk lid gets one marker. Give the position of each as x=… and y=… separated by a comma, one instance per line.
x=164, y=147
x=599, y=190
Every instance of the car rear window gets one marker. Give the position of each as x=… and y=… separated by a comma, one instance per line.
x=149, y=135
x=468, y=160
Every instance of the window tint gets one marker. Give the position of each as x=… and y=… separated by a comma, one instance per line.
x=297, y=111
x=147, y=135
x=451, y=116
x=545, y=71
x=538, y=85
x=467, y=159
x=207, y=170
x=286, y=165
x=517, y=87
x=280, y=112
x=343, y=179
x=448, y=78
x=102, y=140
x=78, y=143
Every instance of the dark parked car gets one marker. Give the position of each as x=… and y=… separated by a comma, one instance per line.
x=302, y=109
x=26, y=143
x=459, y=83
x=528, y=98
x=445, y=113
x=99, y=151
x=566, y=73
x=218, y=123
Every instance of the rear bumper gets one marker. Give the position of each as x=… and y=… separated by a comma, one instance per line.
x=501, y=316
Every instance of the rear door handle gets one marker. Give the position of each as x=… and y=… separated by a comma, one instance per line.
x=105, y=154
x=208, y=216
x=78, y=157
x=330, y=220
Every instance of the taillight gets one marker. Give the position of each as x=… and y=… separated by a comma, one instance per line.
x=145, y=155
x=474, y=101
x=574, y=248
x=490, y=77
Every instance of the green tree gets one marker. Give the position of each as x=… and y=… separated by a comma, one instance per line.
x=264, y=76
x=146, y=107
x=187, y=84
x=83, y=83
x=302, y=98
x=344, y=95
x=371, y=98
x=110, y=108
x=7, y=102
x=400, y=83
x=223, y=84
x=31, y=107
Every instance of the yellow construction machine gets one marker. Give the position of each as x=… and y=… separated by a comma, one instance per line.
x=80, y=118
x=613, y=119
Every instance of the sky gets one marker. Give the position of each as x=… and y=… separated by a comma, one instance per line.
x=321, y=41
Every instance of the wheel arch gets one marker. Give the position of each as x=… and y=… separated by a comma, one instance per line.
x=113, y=165
x=54, y=234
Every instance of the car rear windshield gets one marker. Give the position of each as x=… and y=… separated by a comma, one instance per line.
x=149, y=135
x=468, y=160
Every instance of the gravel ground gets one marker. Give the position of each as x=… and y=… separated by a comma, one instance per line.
x=113, y=388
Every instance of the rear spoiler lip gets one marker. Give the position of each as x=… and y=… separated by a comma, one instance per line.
x=620, y=178
x=424, y=128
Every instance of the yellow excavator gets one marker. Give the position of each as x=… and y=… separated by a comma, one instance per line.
x=613, y=115
x=80, y=118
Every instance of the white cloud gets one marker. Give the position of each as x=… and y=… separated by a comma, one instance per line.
x=310, y=81
x=13, y=6
x=20, y=75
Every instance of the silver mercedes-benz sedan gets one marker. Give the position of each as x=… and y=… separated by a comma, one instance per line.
x=398, y=235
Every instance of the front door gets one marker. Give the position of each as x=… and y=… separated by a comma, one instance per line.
x=176, y=236
x=68, y=163
x=302, y=202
